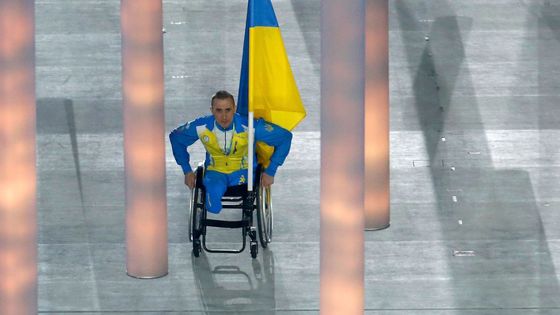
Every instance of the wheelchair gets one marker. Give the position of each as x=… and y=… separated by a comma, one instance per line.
x=236, y=197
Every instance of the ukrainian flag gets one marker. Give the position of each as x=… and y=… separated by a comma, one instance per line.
x=267, y=86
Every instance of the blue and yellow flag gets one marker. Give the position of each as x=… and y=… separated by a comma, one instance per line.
x=267, y=86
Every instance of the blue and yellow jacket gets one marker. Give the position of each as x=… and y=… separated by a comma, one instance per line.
x=227, y=156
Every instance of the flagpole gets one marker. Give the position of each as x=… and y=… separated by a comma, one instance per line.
x=250, y=113
x=250, y=153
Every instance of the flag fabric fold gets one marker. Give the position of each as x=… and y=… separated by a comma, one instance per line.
x=267, y=86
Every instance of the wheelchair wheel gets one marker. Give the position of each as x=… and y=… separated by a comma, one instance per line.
x=196, y=248
x=264, y=215
x=254, y=249
x=191, y=214
x=195, y=211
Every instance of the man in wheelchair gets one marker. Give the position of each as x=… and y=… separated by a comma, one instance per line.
x=224, y=136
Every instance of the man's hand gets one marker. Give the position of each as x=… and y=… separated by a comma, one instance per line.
x=190, y=179
x=267, y=180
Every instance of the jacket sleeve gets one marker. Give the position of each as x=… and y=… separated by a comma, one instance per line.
x=277, y=137
x=181, y=138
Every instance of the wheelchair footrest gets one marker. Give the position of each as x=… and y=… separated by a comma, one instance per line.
x=226, y=224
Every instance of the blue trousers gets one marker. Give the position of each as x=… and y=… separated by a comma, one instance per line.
x=216, y=184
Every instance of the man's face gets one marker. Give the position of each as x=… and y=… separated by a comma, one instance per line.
x=223, y=111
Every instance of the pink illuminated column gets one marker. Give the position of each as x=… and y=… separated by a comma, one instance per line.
x=377, y=115
x=342, y=157
x=18, y=218
x=144, y=135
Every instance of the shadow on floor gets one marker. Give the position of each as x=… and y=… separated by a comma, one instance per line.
x=229, y=288
x=501, y=203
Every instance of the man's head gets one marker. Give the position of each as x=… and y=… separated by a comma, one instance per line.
x=223, y=108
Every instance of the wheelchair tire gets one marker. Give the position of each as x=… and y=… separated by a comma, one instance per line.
x=195, y=208
x=191, y=214
x=265, y=219
x=194, y=213
x=196, y=248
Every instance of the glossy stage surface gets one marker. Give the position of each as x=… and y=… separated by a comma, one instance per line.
x=475, y=163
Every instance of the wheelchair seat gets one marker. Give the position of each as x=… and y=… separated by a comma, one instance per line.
x=236, y=191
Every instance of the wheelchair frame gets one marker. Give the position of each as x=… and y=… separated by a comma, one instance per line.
x=236, y=197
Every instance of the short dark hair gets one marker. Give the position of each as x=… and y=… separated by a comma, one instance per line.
x=222, y=95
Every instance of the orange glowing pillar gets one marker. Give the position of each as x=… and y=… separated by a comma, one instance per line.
x=377, y=115
x=144, y=135
x=342, y=157
x=18, y=216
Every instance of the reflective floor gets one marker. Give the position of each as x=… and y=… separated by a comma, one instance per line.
x=475, y=163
